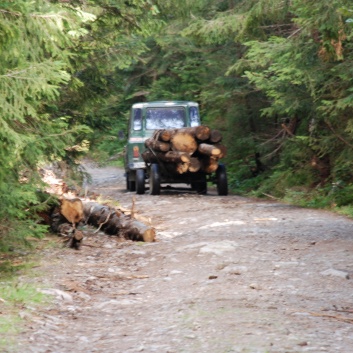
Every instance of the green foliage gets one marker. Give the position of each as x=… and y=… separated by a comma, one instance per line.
x=345, y=210
x=35, y=64
x=21, y=294
x=16, y=296
x=274, y=76
x=58, y=84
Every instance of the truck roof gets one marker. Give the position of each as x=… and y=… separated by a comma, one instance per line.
x=164, y=104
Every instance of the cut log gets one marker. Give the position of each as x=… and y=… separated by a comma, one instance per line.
x=149, y=156
x=65, y=229
x=202, y=132
x=114, y=222
x=223, y=150
x=209, y=164
x=194, y=165
x=169, y=157
x=209, y=150
x=182, y=168
x=72, y=237
x=215, y=136
x=75, y=240
x=157, y=145
x=183, y=141
x=163, y=135
x=72, y=210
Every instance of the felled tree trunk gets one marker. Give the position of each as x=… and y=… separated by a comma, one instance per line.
x=163, y=135
x=210, y=164
x=183, y=141
x=114, y=222
x=111, y=221
x=194, y=165
x=223, y=150
x=72, y=210
x=209, y=150
x=157, y=145
x=60, y=225
x=215, y=136
x=170, y=156
x=182, y=168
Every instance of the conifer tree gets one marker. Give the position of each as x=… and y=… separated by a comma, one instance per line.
x=35, y=64
x=57, y=58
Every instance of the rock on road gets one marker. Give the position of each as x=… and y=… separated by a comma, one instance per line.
x=227, y=274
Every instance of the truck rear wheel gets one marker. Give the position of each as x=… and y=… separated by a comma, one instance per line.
x=140, y=181
x=222, y=182
x=155, y=180
x=200, y=186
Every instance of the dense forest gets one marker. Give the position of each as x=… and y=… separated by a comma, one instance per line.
x=275, y=76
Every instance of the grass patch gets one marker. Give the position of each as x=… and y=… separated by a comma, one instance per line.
x=15, y=294
x=18, y=298
x=345, y=210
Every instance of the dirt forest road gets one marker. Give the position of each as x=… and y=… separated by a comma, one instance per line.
x=227, y=274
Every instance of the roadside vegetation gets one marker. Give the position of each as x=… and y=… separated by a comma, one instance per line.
x=18, y=299
x=274, y=76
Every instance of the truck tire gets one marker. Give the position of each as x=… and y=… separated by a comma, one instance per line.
x=222, y=182
x=155, y=180
x=200, y=186
x=130, y=184
x=140, y=181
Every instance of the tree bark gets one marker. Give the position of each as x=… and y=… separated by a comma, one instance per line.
x=183, y=141
x=201, y=132
x=195, y=165
x=215, y=136
x=209, y=164
x=223, y=150
x=182, y=168
x=169, y=157
x=114, y=222
x=157, y=145
x=163, y=135
x=209, y=150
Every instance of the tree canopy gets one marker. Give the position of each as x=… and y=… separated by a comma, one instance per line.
x=275, y=76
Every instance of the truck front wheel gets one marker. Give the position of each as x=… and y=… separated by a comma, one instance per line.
x=140, y=181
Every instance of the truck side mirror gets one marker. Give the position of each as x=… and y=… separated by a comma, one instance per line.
x=121, y=135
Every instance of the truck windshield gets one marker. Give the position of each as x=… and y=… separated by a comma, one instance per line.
x=165, y=118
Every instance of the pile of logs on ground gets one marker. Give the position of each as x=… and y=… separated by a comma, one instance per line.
x=112, y=221
x=189, y=149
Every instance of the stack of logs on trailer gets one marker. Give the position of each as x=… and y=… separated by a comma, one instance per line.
x=189, y=149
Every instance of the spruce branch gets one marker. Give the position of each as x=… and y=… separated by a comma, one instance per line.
x=337, y=135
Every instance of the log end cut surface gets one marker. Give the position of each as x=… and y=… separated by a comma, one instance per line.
x=184, y=142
